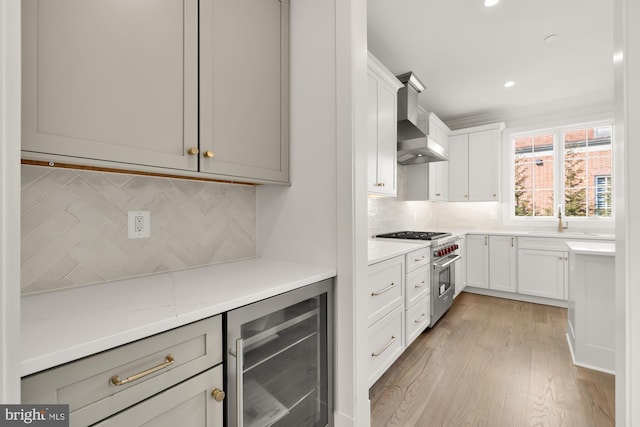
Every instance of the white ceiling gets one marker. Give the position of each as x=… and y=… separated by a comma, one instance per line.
x=465, y=52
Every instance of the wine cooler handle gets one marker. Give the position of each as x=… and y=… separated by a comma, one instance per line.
x=239, y=383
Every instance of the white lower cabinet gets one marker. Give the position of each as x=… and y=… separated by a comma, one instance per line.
x=542, y=273
x=386, y=287
x=385, y=343
x=478, y=260
x=502, y=263
x=170, y=374
x=543, y=267
x=418, y=318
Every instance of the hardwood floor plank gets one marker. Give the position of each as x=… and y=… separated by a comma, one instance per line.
x=493, y=362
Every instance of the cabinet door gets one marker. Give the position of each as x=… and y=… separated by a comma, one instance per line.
x=387, y=139
x=502, y=263
x=477, y=261
x=244, y=88
x=439, y=181
x=114, y=81
x=372, y=133
x=461, y=267
x=189, y=404
x=458, y=168
x=483, y=166
x=541, y=273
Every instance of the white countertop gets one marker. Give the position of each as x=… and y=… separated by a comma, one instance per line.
x=65, y=325
x=566, y=234
x=592, y=248
x=381, y=249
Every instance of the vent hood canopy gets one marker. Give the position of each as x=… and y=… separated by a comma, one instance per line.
x=414, y=146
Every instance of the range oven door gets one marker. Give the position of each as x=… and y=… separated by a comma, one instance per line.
x=443, y=286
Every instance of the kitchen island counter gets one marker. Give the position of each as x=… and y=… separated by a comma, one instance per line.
x=65, y=325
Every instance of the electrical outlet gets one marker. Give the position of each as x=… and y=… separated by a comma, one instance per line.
x=139, y=224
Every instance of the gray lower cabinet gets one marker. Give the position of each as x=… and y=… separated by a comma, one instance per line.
x=189, y=404
x=178, y=87
x=154, y=379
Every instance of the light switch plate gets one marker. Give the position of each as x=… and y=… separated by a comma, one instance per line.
x=139, y=224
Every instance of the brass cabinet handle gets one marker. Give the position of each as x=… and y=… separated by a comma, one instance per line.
x=421, y=318
x=383, y=349
x=388, y=288
x=218, y=395
x=419, y=259
x=380, y=184
x=168, y=361
x=420, y=285
x=438, y=194
x=193, y=151
x=208, y=154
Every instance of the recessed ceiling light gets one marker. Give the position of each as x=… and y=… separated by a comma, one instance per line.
x=510, y=83
x=489, y=3
x=550, y=38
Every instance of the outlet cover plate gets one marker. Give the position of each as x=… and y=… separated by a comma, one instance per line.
x=139, y=224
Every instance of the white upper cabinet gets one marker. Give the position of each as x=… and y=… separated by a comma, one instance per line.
x=382, y=137
x=459, y=168
x=115, y=81
x=474, y=169
x=175, y=87
x=244, y=117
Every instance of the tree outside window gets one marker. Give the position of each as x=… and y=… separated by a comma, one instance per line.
x=585, y=156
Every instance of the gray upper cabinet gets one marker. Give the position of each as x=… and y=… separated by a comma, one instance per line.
x=114, y=81
x=180, y=87
x=244, y=88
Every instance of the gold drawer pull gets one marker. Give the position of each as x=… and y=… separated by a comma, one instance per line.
x=383, y=349
x=421, y=318
x=419, y=259
x=388, y=288
x=209, y=154
x=168, y=361
x=420, y=285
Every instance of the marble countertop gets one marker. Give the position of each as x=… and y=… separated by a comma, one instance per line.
x=592, y=248
x=65, y=325
x=381, y=249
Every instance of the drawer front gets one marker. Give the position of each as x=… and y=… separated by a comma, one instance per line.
x=189, y=404
x=419, y=258
x=418, y=284
x=418, y=318
x=90, y=387
x=385, y=343
x=386, y=287
x=542, y=243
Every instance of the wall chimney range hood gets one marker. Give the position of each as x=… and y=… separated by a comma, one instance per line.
x=414, y=146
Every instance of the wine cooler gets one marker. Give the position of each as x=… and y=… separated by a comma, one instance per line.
x=279, y=361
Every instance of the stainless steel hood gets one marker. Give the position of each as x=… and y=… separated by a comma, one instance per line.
x=414, y=146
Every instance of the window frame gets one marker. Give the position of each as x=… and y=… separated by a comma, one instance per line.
x=559, y=172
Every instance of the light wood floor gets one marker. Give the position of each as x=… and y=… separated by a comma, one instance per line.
x=493, y=362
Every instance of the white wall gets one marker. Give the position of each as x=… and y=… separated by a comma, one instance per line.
x=627, y=156
x=10, y=201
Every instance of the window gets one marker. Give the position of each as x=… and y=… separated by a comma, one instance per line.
x=580, y=156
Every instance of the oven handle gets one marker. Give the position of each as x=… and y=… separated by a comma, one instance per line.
x=449, y=261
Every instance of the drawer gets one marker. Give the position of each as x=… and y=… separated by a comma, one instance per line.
x=87, y=384
x=385, y=343
x=542, y=243
x=418, y=258
x=418, y=318
x=386, y=287
x=418, y=284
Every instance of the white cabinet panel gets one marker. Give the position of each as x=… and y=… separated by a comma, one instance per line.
x=502, y=263
x=418, y=318
x=478, y=260
x=542, y=273
x=459, y=168
x=382, y=101
x=386, y=287
x=386, y=343
x=484, y=167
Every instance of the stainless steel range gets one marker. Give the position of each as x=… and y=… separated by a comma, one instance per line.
x=444, y=254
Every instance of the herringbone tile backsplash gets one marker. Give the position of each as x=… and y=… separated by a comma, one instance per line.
x=74, y=226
